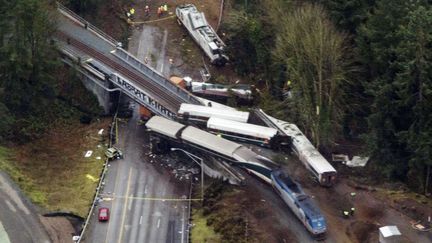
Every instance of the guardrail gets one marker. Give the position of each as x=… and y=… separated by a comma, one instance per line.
x=155, y=76
x=99, y=187
x=129, y=58
x=75, y=17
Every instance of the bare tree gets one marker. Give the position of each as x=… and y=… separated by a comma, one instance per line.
x=313, y=51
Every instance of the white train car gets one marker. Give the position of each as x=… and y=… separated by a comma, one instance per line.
x=199, y=113
x=209, y=141
x=203, y=34
x=240, y=131
x=307, y=153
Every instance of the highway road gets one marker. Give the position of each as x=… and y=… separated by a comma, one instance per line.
x=18, y=220
x=147, y=203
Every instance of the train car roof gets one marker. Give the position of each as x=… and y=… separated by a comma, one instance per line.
x=205, y=111
x=164, y=126
x=209, y=141
x=305, y=147
x=306, y=203
x=242, y=128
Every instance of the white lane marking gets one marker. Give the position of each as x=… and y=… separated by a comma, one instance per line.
x=145, y=189
x=4, y=238
x=183, y=226
x=158, y=223
x=130, y=202
x=11, y=207
x=140, y=222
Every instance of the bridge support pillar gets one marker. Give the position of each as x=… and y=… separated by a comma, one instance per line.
x=100, y=91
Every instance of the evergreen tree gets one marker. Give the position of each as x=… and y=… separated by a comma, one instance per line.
x=348, y=14
x=378, y=40
x=249, y=42
x=28, y=58
x=395, y=44
x=414, y=89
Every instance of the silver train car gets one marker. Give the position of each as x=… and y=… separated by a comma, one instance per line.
x=203, y=34
x=167, y=132
x=201, y=114
x=308, y=154
x=249, y=133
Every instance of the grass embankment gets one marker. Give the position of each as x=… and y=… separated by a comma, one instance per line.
x=201, y=232
x=53, y=171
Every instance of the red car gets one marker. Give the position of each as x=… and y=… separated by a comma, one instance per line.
x=103, y=214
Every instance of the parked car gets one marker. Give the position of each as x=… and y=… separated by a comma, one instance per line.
x=103, y=214
x=113, y=153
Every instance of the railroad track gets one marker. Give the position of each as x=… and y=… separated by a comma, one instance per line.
x=169, y=101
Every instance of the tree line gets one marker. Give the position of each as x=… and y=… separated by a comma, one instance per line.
x=343, y=69
x=34, y=89
x=27, y=64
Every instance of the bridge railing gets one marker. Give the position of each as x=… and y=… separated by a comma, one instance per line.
x=155, y=76
x=129, y=58
x=75, y=17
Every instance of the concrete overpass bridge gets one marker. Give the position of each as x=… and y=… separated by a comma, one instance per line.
x=102, y=59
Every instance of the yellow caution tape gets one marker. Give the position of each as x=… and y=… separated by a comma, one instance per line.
x=151, y=21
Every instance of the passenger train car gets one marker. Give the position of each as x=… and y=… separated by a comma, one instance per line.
x=308, y=154
x=204, y=35
x=166, y=133
x=169, y=133
x=246, y=132
x=200, y=114
x=300, y=203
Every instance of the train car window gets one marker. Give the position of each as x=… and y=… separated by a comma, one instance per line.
x=313, y=171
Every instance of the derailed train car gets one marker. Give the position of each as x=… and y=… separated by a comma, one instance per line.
x=233, y=125
x=166, y=133
x=203, y=34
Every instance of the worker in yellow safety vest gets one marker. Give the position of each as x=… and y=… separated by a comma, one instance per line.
x=288, y=85
x=165, y=8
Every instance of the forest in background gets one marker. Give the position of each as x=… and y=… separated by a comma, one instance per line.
x=36, y=89
x=344, y=70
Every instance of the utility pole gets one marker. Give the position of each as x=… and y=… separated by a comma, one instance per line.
x=427, y=180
